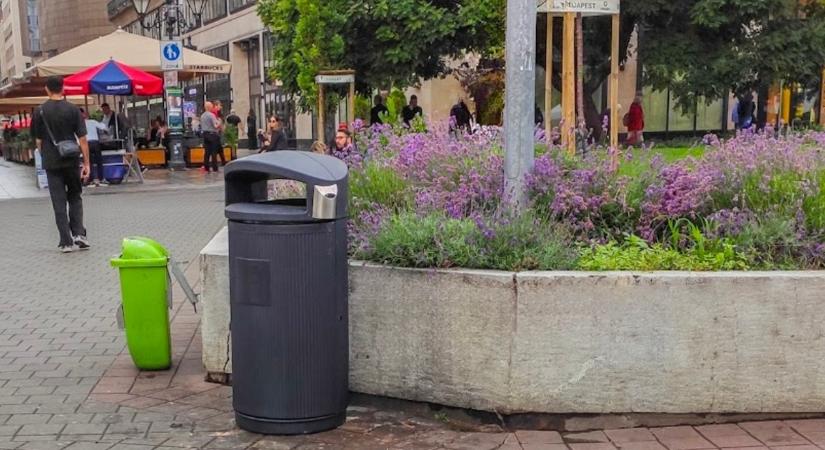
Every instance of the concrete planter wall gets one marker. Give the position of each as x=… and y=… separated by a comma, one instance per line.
x=573, y=342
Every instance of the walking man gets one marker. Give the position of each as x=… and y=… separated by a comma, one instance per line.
x=57, y=121
x=210, y=128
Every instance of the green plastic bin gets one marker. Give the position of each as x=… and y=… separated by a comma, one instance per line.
x=144, y=314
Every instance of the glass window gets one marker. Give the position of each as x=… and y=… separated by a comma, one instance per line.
x=235, y=5
x=709, y=117
x=654, y=104
x=214, y=10
x=677, y=119
x=218, y=86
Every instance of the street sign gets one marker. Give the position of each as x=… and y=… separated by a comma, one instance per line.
x=174, y=109
x=171, y=55
x=585, y=7
x=335, y=79
x=170, y=78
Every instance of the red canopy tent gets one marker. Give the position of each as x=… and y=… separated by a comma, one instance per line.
x=113, y=78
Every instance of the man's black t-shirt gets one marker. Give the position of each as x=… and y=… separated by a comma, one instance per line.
x=409, y=113
x=375, y=114
x=65, y=122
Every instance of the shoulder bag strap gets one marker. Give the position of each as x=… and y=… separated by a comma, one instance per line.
x=48, y=128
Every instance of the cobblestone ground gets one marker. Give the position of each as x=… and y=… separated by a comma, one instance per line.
x=66, y=381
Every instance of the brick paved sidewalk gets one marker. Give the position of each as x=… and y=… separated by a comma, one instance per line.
x=66, y=381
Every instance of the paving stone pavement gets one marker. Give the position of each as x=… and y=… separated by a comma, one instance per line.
x=66, y=381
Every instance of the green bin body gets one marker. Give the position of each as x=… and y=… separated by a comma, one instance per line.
x=144, y=285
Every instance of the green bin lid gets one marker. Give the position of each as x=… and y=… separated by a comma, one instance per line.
x=141, y=252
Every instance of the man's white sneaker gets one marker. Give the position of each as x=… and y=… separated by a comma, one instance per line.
x=67, y=248
x=82, y=243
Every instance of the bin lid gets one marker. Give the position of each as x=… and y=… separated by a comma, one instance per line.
x=141, y=252
x=247, y=189
x=306, y=167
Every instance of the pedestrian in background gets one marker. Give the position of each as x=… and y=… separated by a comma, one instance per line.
x=275, y=138
x=634, y=120
x=251, y=126
x=461, y=116
x=57, y=124
x=378, y=110
x=210, y=130
x=95, y=152
x=233, y=119
x=411, y=111
x=744, y=112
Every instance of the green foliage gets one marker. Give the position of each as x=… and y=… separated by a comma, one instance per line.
x=770, y=242
x=374, y=184
x=230, y=135
x=395, y=102
x=636, y=254
x=432, y=241
x=387, y=42
x=362, y=107
x=306, y=38
x=705, y=48
x=437, y=241
x=493, y=109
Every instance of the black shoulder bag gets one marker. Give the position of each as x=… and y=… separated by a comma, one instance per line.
x=67, y=149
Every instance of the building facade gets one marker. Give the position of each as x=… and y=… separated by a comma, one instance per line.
x=230, y=30
x=14, y=26
x=65, y=24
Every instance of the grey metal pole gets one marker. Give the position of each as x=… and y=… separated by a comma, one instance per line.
x=177, y=157
x=520, y=100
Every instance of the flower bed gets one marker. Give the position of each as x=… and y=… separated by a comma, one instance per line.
x=431, y=199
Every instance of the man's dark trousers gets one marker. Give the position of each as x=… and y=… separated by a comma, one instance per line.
x=65, y=187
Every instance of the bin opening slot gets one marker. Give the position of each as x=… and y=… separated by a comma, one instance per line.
x=279, y=191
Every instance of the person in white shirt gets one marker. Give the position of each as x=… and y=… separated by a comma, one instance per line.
x=95, y=152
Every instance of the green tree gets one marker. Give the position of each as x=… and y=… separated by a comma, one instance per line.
x=387, y=42
x=705, y=48
x=711, y=47
x=306, y=38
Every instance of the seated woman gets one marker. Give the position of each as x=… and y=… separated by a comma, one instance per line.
x=152, y=133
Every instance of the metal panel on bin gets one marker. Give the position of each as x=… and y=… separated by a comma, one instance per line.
x=288, y=290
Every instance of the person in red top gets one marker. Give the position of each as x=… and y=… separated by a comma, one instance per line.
x=635, y=122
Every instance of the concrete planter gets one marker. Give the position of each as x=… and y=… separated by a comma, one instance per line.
x=572, y=342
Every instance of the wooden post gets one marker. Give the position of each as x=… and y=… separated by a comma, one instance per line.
x=614, y=86
x=569, y=83
x=548, y=83
x=321, y=111
x=352, y=102
x=822, y=99
x=579, y=69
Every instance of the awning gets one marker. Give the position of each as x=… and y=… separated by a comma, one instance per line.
x=137, y=51
x=13, y=106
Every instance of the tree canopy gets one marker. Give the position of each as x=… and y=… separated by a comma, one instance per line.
x=387, y=42
x=697, y=48
x=711, y=47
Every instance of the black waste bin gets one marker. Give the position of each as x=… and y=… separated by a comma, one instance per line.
x=288, y=290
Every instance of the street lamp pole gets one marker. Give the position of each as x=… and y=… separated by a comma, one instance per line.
x=520, y=100
x=172, y=20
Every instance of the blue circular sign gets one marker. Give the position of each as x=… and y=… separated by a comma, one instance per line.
x=171, y=52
